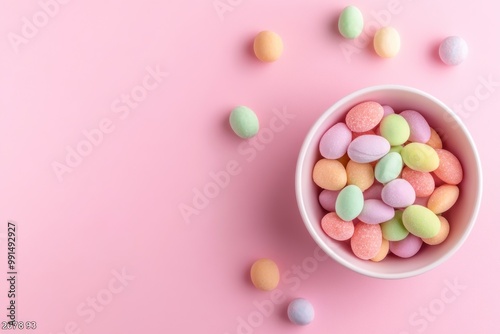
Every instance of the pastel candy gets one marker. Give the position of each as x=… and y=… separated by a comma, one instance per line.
x=244, y=122
x=337, y=228
x=435, y=140
x=334, y=143
x=265, y=274
x=358, y=134
x=420, y=157
x=329, y=174
x=350, y=22
x=366, y=240
x=444, y=230
x=395, y=129
x=407, y=247
x=443, y=198
x=375, y=212
x=398, y=193
x=300, y=311
x=364, y=116
x=359, y=174
x=374, y=192
x=420, y=131
x=397, y=149
x=420, y=221
x=349, y=203
x=327, y=199
x=389, y=167
x=453, y=50
x=368, y=148
x=449, y=169
x=422, y=182
x=393, y=229
x=268, y=46
x=387, y=42
x=382, y=253
x=388, y=110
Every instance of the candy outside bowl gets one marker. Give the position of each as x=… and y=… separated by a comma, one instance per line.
x=455, y=138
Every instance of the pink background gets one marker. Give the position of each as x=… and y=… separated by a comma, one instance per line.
x=118, y=210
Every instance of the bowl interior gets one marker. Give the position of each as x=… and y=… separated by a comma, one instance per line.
x=455, y=138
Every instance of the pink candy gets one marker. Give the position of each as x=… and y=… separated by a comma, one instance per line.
x=375, y=212
x=364, y=116
x=398, y=193
x=366, y=240
x=368, y=148
x=420, y=131
x=335, y=141
x=407, y=247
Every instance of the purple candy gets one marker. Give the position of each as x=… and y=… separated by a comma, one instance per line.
x=453, y=50
x=407, y=247
x=375, y=212
x=398, y=193
x=327, y=199
x=388, y=110
x=334, y=142
x=420, y=131
x=374, y=192
x=368, y=148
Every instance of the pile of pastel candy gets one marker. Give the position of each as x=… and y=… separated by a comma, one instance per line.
x=386, y=181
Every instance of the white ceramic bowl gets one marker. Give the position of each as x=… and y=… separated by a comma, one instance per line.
x=455, y=137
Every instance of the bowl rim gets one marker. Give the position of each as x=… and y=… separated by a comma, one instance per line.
x=299, y=190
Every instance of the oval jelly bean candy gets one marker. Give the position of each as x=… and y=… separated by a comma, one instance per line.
x=443, y=198
x=435, y=140
x=444, y=230
x=420, y=157
x=395, y=129
x=422, y=182
x=374, y=192
x=327, y=199
x=337, y=228
x=420, y=131
x=394, y=230
x=449, y=169
x=382, y=253
x=359, y=174
x=375, y=212
x=329, y=174
x=368, y=148
x=398, y=193
x=420, y=221
x=387, y=42
x=366, y=240
x=351, y=22
x=389, y=167
x=407, y=247
x=244, y=122
x=349, y=203
x=364, y=116
x=265, y=274
x=388, y=110
x=268, y=46
x=334, y=143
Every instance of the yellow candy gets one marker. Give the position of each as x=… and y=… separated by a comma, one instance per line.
x=387, y=42
x=420, y=157
x=265, y=274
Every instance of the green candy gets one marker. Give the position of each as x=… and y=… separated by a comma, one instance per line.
x=420, y=221
x=395, y=129
x=351, y=22
x=420, y=157
x=244, y=122
x=394, y=230
x=389, y=167
x=396, y=149
x=349, y=203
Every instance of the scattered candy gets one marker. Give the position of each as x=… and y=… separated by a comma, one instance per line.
x=265, y=274
x=268, y=46
x=244, y=122
x=387, y=42
x=453, y=50
x=300, y=311
x=386, y=199
x=351, y=22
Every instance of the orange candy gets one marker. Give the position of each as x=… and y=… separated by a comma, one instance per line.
x=443, y=198
x=435, y=140
x=360, y=174
x=442, y=234
x=366, y=240
x=449, y=169
x=329, y=174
